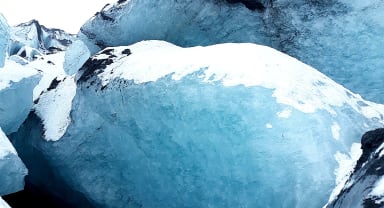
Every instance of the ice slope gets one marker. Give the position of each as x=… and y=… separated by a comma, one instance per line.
x=12, y=169
x=231, y=125
x=16, y=94
x=75, y=56
x=338, y=37
x=4, y=40
x=31, y=39
x=364, y=187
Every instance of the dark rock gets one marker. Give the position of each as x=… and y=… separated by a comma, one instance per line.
x=369, y=143
x=250, y=4
x=53, y=84
x=127, y=52
x=93, y=67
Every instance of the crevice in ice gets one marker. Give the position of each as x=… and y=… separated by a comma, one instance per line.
x=250, y=4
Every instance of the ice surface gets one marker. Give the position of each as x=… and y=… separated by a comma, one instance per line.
x=53, y=95
x=16, y=94
x=12, y=169
x=4, y=39
x=231, y=125
x=186, y=23
x=75, y=56
x=54, y=107
x=340, y=38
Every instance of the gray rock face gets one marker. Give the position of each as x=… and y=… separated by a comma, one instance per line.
x=338, y=37
x=365, y=186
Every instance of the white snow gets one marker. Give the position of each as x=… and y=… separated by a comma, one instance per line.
x=3, y=204
x=14, y=72
x=268, y=126
x=294, y=83
x=335, y=128
x=54, y=108
x=380, y=150
x=378, y=189
x=55, y=105
x=6, y=147
x=346, y=166
x=286, y=113
x=51, y=67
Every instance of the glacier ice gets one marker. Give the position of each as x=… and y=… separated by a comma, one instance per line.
x=16, y=94
x=12, y=169
x=338, y=37
x=30, y=38
x=75, y=56
x=185, y=23
x=4, y=40
x=156, y=125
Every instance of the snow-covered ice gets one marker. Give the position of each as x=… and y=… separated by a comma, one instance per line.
x=54, y=107
x=157, y=125
x=340, y=38
x=16, y=94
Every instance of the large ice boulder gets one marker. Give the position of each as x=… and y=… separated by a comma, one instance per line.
x=12, y=169
x=17, y=83
x=230, y=125
x=4, y=39
x=338, y=37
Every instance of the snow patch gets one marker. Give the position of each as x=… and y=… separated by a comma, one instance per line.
x=286, y=113
x=335, y=128
x=346, y=165
x=295, y=83
x=14, y=72
x=54, y=108
x=268, y=126
x=380, y=150
x=378, y=190
x=51, y=67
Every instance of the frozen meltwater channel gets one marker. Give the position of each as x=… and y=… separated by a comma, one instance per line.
x=230, y=125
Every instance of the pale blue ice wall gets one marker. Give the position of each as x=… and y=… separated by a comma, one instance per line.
x=4, y=39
